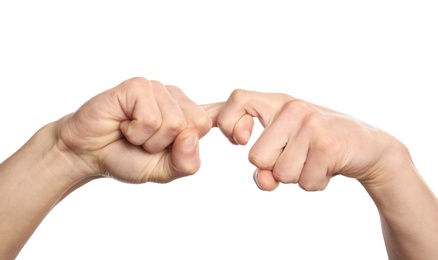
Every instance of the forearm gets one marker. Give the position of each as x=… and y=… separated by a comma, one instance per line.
x=32, y=181
x=408, y=209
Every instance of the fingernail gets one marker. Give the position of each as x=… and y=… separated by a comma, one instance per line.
x=190, y=142
x=256, y=177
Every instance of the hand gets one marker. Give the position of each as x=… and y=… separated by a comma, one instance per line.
x=302, y=143
x=136, y=132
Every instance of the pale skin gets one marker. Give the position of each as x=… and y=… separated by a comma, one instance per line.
x=308, y=144
x=143, y=131
x=140, y=131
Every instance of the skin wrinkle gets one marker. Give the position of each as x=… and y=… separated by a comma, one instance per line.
x=94, y=145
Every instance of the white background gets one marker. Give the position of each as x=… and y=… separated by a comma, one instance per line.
x=376, y=60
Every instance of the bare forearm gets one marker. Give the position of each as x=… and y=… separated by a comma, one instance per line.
x=32, y=181
x=408, y=211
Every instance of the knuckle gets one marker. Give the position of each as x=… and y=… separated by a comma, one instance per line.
x=138, y=82
x=151, y=147
x=203, y=124
x=326, y=146
x=237, y=96
x=315, y=183
x=259, y=161
x=158, y=87
x=298, y=107
x=187, y=169
x=323, y=187
x=151, y=122
x=318, y=126
x=315, y=122
x=176, y=125
x=174, y=89
x=191, y=169
x=309, y=186
x=177, y=94
x=285, y=177
x=223, y=121
x=156, y=83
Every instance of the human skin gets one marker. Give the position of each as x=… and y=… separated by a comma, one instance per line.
x=139, y=131
x=111, y=135
x=307, y=144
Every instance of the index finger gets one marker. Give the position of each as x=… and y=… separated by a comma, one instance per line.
x=233, y=117
x=213, y=111
x=242, y=127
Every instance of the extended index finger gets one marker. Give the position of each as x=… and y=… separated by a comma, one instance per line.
x=213, y=111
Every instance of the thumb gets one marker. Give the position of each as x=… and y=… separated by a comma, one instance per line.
x=264, y=180
x=184, y=157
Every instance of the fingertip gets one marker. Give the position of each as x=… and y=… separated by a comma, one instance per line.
x=185, y=152
x=264, y=180
x=129, y=133
x=243, y=129
x=241, y=137
x=124, y=128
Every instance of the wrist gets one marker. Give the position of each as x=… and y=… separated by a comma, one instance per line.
x=32, y=181
x=407, y=207
x=394, y=179
x=78, y=165
x=394, y=164
x=55, y=161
